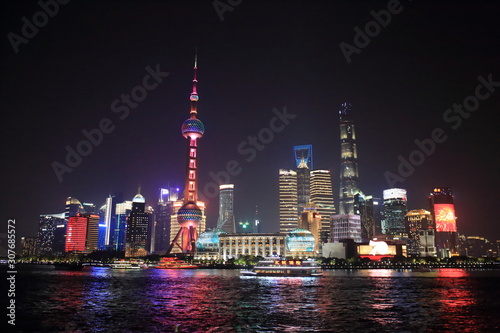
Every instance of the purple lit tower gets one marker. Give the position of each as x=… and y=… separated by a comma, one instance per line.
x=190, y=215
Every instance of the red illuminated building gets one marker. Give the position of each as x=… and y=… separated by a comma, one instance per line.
x=443, y=211
x=76, y=233
x=190, y=215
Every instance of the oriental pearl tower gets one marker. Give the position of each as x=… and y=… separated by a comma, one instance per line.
x=190, y=215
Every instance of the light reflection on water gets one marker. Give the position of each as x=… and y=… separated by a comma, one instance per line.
x=99, y=299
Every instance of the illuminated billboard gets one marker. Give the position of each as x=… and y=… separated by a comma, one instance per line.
x=445, y=218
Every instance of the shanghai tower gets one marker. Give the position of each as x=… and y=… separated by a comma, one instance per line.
x=349, y=166
x=189, y=216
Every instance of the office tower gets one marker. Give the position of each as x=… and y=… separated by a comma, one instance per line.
x=364, y=207
x=288, y=200
x=47, y=225
x=190, y=216
x=378, y=206
x=110, y=226
x=73, y=208
x=395, y=210
x=119, y=227
x=76, y=233
x=92, y=238
x=137, y=228
x=322, y=197
x=226, y=213
x=304, y=163
x=420, y=230
x=89, y=208
x=28, y=246
x=443, y=212
x=346, y=226
x=163, y=218
x=310, y=219
x=349, y=186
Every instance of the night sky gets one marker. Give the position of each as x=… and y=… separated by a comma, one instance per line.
x=262, y=55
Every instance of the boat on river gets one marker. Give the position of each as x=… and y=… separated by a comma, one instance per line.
x=174, y=263
x=128, y=264
x=284, y=267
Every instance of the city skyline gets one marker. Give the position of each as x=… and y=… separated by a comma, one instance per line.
x=284, y=90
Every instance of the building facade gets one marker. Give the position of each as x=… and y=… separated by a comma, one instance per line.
x=226, y=220
x=264, y=244
x=137, y=228
x=288, y=201
x=349, y=186
x=420, y=230
x=344, y=227
x=395, y=210
x=304, y=164
x=443, y=211
x=322, y=197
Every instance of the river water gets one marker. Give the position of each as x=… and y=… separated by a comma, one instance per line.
x=99, y=299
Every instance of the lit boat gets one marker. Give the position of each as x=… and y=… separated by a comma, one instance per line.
x=174, y=263
x=125, y=264
x=283, y=267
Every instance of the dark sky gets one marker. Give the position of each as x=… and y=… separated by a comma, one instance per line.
x=262, y=55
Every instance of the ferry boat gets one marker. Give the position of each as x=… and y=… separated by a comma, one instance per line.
x=283, y=267
x=174, y=263
x=125, y=264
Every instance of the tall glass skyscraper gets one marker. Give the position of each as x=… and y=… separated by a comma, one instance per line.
x=395, y=210
x=137, y=228
x=421, y=235
x=226, y=213
x=304, y=163
x=443, y=211
x=349, y=186
x=322, y=197
x=289, y=218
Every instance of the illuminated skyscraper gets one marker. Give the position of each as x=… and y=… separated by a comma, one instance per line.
x=190, y=216
x=226, y=213
x=420, y=230
x=322, y=197
x=364, y=207
x=137, y=228
x=289, y=219
x=47, y=227
x=76, y=233
x=119, y=227
x=443, y=211
x=310, y=220
x=163, y=218
x=304, y=164
x=395, y=209
x=349, y=166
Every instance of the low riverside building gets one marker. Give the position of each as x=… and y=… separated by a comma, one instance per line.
x=262, y=244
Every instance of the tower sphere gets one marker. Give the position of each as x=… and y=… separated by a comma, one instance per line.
x=189, y=214
x=193, y=127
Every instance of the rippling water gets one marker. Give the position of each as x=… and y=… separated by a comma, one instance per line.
x=99, y=299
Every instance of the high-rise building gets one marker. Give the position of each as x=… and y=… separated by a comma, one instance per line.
x=364, y=206
x=46, y=232
x=289, y=219
x=190, y=216
x=395, y=210
x=76, y=233
x=92, y=237
x=119, y=227
x=322, y=197
x=420, y=230
x=349, y=186
x=226, y=213
x=346, y=226
x=137, y=228
x=163, y=218
x=304, y=164
x=310, y=219
x=443, y=212
x=29, y=246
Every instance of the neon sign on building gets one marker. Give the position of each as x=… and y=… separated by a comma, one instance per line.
x=445, y=218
